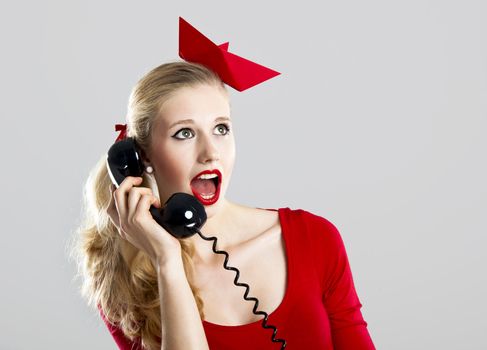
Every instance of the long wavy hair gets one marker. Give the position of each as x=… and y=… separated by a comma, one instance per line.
x=126, y=290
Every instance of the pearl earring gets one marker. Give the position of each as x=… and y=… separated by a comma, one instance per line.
x=149, y=169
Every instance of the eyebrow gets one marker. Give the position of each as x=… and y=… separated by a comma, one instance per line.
x=191, y=121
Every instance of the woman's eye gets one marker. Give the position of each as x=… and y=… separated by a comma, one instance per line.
x=222, y=129
x=184, y=134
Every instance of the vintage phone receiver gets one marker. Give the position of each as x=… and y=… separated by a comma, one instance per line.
x=182, y=214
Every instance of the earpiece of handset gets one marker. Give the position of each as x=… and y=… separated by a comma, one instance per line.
x=124, y=160
x=182, y=213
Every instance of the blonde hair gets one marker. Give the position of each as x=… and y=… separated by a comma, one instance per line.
x=127, y=291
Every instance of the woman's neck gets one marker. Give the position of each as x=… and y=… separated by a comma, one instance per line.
x=229, y=225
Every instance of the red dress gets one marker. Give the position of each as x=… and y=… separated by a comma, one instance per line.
x=320, y=309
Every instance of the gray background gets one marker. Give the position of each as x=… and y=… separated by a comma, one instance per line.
x=377, y=123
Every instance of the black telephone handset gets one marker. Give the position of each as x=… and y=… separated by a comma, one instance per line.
x=182, y=214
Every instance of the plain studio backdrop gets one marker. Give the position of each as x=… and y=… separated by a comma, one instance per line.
x=376, y=123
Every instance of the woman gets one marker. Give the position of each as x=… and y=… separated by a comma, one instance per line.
x=155, y=290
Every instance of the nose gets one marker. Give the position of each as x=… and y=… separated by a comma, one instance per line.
x=208, y=151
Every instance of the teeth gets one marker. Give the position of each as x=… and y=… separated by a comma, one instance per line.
x=207, y=176
x=207, y=197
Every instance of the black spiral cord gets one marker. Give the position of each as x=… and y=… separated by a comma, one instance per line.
x=247, y=289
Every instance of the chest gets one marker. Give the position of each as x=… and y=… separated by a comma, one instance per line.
x=262, y=265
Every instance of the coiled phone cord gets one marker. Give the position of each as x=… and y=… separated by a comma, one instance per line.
x=247, y=289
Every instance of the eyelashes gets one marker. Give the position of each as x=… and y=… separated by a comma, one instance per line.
x=187, y=133
x=225, y=126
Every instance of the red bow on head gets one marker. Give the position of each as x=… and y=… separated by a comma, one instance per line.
x=234, y=70
x=123, y=131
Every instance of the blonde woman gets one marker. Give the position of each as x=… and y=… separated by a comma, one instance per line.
x=155, y=291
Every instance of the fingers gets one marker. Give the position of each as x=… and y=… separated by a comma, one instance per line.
x=143, y=205
x=135, y=195
x=120, y=194
x=131, y=203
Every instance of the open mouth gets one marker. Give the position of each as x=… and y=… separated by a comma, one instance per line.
x=206, y=186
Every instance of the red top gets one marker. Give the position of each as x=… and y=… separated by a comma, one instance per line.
x=320, y=309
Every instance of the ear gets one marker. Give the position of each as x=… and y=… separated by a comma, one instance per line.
x=145, y=156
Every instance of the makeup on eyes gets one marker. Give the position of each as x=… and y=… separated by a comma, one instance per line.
x=225, y=125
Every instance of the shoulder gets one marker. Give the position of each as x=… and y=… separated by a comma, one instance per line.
x=308, y=217
x=315, y=234
x=321, y=239
x=316, y=227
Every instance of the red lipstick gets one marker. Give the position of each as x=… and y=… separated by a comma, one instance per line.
x=208, y=200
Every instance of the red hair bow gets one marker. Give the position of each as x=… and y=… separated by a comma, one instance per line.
x=234, y=70
x=123, y=131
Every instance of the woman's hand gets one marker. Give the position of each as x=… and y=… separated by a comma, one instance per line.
x=129, y=212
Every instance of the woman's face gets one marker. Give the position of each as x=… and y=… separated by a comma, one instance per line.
x=191, y=135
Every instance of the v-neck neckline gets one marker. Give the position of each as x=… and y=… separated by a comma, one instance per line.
x=282, y=212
